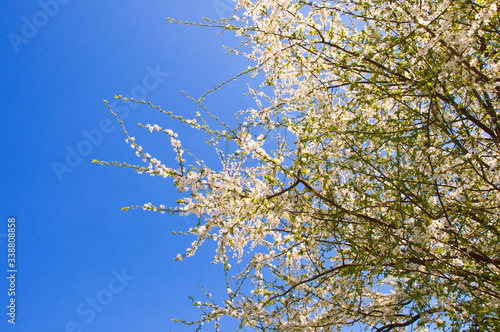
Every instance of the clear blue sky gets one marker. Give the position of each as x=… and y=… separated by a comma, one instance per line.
x=60, y=59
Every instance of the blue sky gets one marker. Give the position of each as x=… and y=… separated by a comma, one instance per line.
x=60, y=60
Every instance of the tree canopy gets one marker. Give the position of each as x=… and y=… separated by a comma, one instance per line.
x=364, y=188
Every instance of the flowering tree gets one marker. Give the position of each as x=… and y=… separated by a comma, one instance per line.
x=364, y=189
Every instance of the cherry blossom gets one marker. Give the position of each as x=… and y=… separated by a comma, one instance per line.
x=364, y=187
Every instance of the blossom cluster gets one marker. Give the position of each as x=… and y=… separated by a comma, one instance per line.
x=365, y=187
